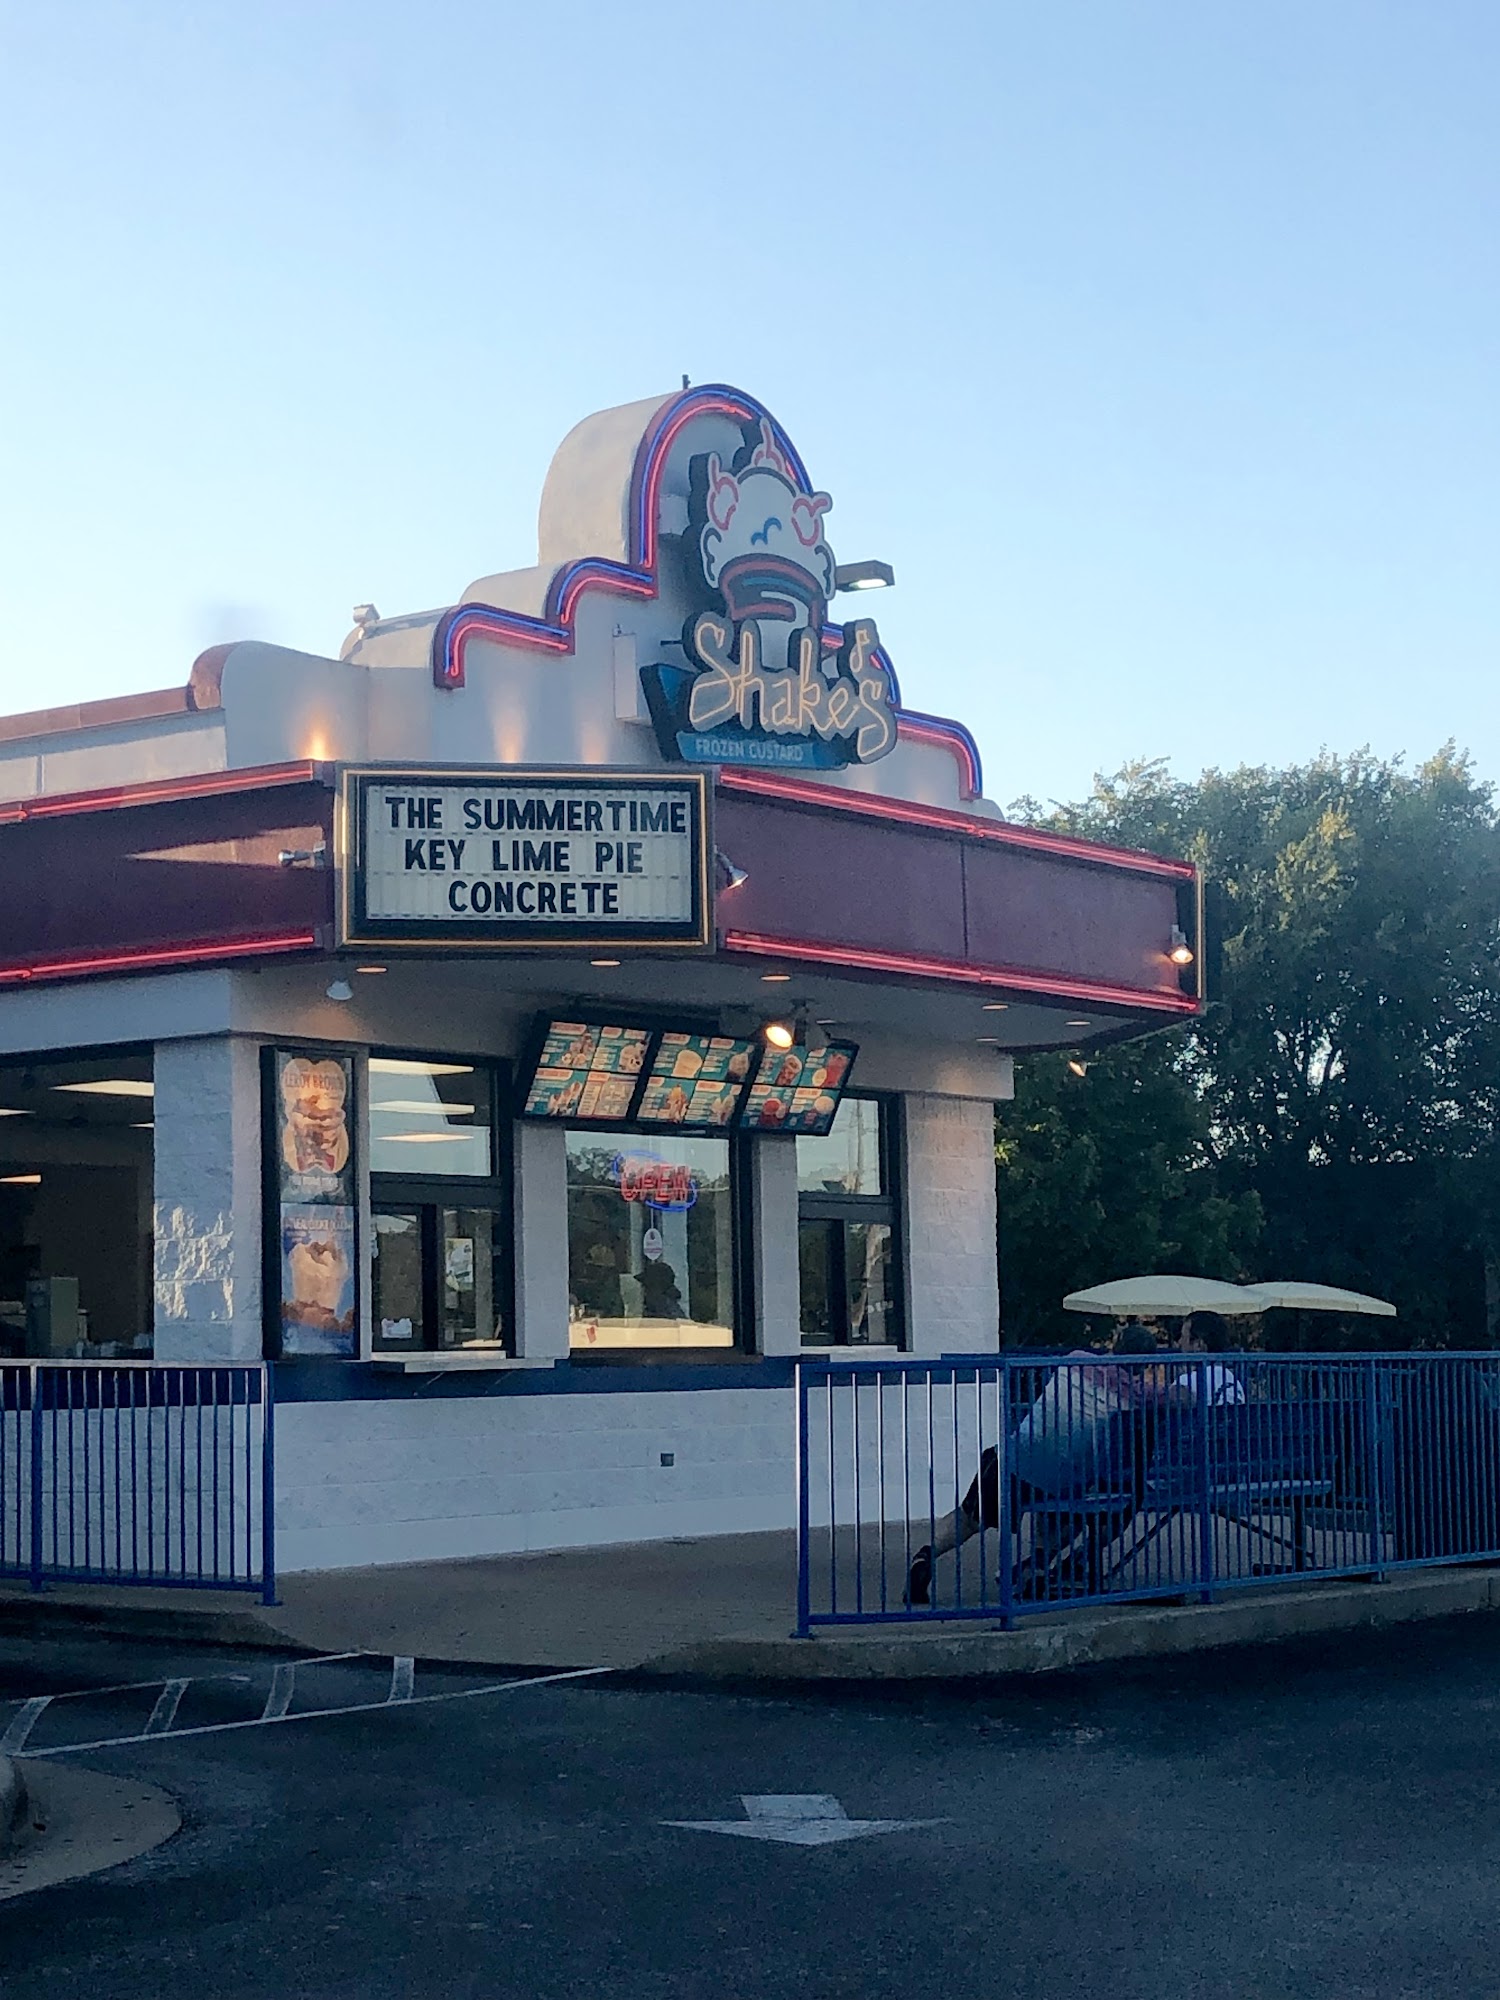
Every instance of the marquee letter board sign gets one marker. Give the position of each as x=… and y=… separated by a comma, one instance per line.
x=525, y=860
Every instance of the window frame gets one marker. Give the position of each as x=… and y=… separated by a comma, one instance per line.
x=741, y=1263
x=888, y=1208
x=430, y=1192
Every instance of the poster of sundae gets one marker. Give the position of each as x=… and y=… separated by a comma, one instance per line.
x=311, y=1198
x=312, y=1113
x=798, y=1090
x=317, y=1280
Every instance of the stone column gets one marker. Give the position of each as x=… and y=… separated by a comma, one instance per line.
x=541, y=1235
x=773, y=1246
x=207, y=1207
x=949, y=1175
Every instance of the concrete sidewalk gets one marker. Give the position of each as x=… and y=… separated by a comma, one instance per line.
x=718, y=1607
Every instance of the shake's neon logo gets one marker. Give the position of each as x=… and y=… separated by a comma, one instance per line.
x=761, y=685
x=656, y=1183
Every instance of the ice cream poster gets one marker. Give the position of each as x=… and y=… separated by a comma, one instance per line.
x=317, y=1281
x=311, y=1114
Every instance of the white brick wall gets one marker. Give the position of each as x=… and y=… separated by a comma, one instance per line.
x=207, y=1259
x=409, y=1480
x=950, y=1189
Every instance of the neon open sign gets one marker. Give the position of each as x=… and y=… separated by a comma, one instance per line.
x=657, y=1183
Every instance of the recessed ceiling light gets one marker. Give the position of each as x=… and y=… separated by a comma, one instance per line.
x=990, y=1041
x=1080, y=1024
x=415, y=1107
x=114, y=1086
x=604, y=961
x=146, y=1125
x=995, y=1006
x=774, y=978
x=7, y=1113
x=20, y=1180
x=372, y=968
x=422, y=1138
x=399, y=1066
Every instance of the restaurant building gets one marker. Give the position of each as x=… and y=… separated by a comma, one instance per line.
x=535, y=1027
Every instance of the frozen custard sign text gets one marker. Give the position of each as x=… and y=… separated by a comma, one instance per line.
x=524, y=859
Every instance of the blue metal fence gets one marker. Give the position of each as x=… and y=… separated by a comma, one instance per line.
x=994, y=1488
x=131, y=1472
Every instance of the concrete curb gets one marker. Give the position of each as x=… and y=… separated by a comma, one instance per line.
x=1056, y=1643
x=15, y=1806
x=189, y=1625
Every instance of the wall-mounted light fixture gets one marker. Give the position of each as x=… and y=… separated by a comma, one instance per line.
x=1181, y=952
x=779, y=1034
x=733, y=878
x=304, y=857
x=863, y=576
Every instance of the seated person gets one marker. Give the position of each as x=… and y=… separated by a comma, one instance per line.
x=1059, y=1448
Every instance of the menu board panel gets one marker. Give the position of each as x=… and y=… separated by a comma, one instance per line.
x=798, y=1090
x=696, y=1080
x=587, y=1073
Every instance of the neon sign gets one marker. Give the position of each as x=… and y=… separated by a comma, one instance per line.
x=762, y=684
x=656, y=1183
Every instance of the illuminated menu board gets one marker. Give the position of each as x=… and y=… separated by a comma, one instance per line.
x=798, y=1090
x=695, y=1080
x=587, y=1073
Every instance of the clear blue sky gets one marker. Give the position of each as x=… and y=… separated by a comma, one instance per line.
x=1156, y=342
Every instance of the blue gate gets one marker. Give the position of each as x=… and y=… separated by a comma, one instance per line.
x=134, y=1472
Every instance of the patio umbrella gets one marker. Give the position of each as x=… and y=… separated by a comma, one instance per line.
x=1320, y=1298
x=1164, y=1298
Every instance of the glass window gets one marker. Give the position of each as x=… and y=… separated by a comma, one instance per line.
x=436, y=1276
x=849, y=1159
x=650, y=1242
x=847, y=1239
x=429, y=1117
x=76, y=1193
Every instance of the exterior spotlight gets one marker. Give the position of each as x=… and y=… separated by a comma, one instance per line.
x=340, y=989
x=733, y=877
x=863, y=576
x=304, y=857
x=1077, y=1068
x=365, y=615
x=1181, y=952
x=779, y=1034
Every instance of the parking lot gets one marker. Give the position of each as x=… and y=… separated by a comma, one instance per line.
x=1319, y=1821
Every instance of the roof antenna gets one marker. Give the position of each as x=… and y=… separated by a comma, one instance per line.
x=685, y=383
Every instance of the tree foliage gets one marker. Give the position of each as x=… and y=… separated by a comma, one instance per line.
x=1346, y=1075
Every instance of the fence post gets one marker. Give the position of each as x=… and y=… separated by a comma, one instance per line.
x=1375, y=1450
x=36, y=1477
x=1205, y=1511
x=267, y=1486
x=1002, y=1501
x=804, y=1577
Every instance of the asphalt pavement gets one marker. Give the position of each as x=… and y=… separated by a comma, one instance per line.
x=1320, y=1820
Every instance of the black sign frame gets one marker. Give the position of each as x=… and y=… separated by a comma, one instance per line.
x=481, y=935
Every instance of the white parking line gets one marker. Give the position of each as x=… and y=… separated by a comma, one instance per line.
x=165, y=1712
x=318, y=1714
x=22, y=1723
x=403, y=1674
x=283, y=1686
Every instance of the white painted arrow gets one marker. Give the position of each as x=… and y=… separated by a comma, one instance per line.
x=800, y=1819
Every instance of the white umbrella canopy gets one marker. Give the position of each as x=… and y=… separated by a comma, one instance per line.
x=1164, y=1298
x=1320, y=1298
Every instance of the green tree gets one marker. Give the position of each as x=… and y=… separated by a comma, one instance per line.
x=1348, y=1066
